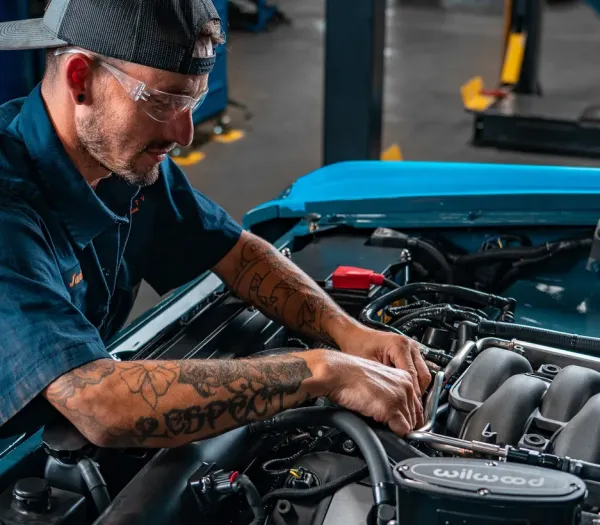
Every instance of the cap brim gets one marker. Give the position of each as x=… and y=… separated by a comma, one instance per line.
x=27, y=34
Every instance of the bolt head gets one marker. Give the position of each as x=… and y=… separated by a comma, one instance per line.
x=348, y=446
x=404, y=467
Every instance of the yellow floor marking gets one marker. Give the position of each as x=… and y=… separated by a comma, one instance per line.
x=472, y=99
x=231, y=136
x=189, y=160
x=392, y=153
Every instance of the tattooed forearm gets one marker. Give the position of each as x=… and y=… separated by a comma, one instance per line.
x=252, y=388
x=258, y=273
x=67, y=386
x=167, y=403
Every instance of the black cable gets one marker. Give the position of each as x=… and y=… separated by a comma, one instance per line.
x=253, y=498
x=279, y=472
x=443, y=312
x=540, y=336
x=390, y=284
x=399, y=311
x=321, y=491
x=415, y=325
x=362, y=434
x=439, y=258
x=522, y=253
x=367, y=316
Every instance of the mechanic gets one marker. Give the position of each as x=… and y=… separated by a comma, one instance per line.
x=91, y=205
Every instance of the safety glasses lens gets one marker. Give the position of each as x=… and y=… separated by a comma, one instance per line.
x=165, y=108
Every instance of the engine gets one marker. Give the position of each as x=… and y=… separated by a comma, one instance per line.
x=509, y=323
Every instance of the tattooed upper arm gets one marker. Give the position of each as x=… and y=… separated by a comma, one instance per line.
x=256, y=272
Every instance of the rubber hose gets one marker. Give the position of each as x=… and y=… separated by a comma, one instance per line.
x=390, y=284
x=253, y=498
x=540, y=336
x=414, y=325
x=589, y=471
x=522, y=253
x=484, y=299
x=421, y=313
x=321, y=491
x=95, y=483
x=365, y=438
x=399, y=311
x=501, y=254
x=439, y=258
x=464, y=332
x=447, y=311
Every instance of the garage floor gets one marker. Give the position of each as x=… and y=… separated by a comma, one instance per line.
x=430, y=53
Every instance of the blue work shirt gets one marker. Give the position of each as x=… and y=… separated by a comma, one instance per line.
x=72, y=258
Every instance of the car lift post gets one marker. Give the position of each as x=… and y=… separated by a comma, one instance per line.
x=526, y=17
x=354, y=66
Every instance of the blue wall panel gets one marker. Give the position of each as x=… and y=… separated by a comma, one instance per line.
x=17, y=71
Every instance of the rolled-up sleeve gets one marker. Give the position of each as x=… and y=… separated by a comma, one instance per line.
x=193, y=233
x=42, y=334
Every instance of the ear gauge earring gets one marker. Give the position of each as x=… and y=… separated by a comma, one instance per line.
x=81, y=99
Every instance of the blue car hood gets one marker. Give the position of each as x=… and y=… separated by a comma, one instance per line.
x=421, y=193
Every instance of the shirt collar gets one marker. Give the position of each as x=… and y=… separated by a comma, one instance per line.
x=83, y=212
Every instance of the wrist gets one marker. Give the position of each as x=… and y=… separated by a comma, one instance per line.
x=347, y=332
x=353, y=336
x=325, y=368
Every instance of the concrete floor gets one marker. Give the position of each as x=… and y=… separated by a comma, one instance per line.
x=430, y=52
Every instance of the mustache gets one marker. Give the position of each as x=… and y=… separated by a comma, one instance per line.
x=159, y=146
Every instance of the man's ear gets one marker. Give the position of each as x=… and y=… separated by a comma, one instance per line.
x=78, y=72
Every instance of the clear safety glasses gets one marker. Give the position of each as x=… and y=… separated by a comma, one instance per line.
x=161, y=106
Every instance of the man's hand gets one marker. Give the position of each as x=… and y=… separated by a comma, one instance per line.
x=381, y=392
x=261, y=275
x=391, y=350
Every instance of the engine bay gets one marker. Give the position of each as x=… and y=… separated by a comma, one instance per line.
x=509, y=322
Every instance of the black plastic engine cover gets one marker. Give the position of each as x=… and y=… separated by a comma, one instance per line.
x=487, y=373
x=571, y=389
x=506, y=411
x=579, y=438
x=479, y=492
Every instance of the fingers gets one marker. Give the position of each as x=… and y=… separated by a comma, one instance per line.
x=399, y=425
x=419, y=418
x=423, y=373
x=406, y=362
x=408, y=405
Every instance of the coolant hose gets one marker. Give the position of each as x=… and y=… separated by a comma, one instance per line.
x=540, y=336
x=365, y=438
x=367, y=316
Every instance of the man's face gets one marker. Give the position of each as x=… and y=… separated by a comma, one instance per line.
x=121, y=136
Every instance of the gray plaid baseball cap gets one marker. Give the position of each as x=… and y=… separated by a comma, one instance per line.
x=162, y=34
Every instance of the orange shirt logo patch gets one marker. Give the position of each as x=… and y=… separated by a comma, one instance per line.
x=137, y=203
x=76, y=279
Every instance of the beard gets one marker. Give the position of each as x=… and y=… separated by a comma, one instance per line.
x=102, y=141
